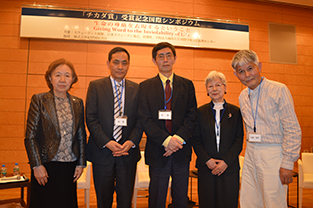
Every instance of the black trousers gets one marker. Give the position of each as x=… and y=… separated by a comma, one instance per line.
x=159, y=179
x=218, y=191
x=60, y=191
x=115, y=176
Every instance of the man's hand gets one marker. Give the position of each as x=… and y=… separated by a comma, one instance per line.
x=174, y=144
x=125, y=147
x=285, y=176
x=167, y=152
x=41, y=175
x=114, y=146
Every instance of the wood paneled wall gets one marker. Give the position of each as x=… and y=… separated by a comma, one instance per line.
x=23, y=61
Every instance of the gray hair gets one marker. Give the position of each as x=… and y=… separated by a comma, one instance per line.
x=213, y=75
x=243, y=57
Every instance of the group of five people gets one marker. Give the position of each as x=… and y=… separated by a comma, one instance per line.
x=165, y=108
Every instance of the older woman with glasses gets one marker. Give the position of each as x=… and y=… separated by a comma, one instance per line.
x=217, y=142
x=55, y=140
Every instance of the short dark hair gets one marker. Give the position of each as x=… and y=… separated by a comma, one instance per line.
x=54, y=65
x=116, y=50
x=160, y=46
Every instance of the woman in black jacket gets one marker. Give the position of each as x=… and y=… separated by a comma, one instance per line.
x=217, y=142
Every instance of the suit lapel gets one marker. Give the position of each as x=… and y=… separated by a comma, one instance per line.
x=225, y=115
x=159, y=91
x=129, y=89
x=108, y=92
x=211, y=119
x=176, y=90
x=76, y=108
x=50, y=108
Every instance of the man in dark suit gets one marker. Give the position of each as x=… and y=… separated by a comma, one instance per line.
x=167, y=108
x=115, y=132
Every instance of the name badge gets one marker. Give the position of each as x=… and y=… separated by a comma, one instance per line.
x=254, y=137
x=165, y=114
x=121, y=121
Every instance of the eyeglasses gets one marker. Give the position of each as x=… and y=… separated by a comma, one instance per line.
x=162, y=56
x=217, y=86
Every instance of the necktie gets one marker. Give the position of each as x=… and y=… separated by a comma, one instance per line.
x=117, y=130
x=168, y=99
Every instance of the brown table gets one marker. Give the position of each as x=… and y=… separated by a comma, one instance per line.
x=17, y=185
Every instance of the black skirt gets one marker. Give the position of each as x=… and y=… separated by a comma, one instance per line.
x=59, y=192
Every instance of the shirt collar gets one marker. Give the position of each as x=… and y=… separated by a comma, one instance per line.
x=164, y=78
x=255, y=92
x=112, y=81
x=218, y=106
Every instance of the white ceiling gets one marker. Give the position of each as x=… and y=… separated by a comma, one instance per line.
x=297, y=2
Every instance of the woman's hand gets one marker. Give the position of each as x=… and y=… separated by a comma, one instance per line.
x=211, y=163
x=220, y=167
x=41, y=175
x=78, y=172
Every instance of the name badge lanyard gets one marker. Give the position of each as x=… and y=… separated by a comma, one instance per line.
x=166, y=101
x=218, y=124
x=256, y=108
x=119, y=98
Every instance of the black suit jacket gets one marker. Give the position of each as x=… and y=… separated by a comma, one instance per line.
x=43, y=136
x=231, y=136
x=184, y=105
x=100, y=121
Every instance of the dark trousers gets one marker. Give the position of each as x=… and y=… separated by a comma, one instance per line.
x=218, y=191
x=60, y=191
x=115, y=176
x=159, y=179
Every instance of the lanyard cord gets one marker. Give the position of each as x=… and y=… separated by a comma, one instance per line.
x=257, y=105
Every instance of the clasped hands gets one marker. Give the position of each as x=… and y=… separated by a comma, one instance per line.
x=173, y=146
x=217, y=166
x=118, y=149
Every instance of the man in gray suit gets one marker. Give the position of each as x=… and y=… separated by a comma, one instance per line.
x=115, y=132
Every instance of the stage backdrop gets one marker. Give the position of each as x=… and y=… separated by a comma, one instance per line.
x=97, y=25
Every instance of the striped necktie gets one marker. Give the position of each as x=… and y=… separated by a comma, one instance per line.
x=117, y=130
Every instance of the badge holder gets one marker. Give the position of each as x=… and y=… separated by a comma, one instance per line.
x=121, y=121
x=165, y=114
x=254, y=137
